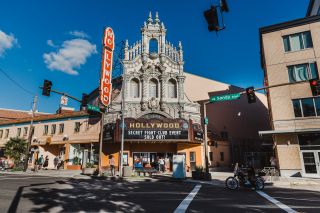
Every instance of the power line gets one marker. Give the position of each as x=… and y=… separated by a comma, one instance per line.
x=16, y=83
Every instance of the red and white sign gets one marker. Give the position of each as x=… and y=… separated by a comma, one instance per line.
x=106, y=67
x=64, y=100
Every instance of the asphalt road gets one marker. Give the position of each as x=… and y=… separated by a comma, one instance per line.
x=47, y=194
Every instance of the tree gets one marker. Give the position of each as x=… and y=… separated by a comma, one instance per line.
x=15, y=148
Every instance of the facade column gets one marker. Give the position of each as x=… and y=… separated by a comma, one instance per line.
x=181, y=80
x=164, y=92
x=66, y=155
x=144, y=98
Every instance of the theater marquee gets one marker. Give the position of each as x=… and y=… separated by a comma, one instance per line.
x=156, y=129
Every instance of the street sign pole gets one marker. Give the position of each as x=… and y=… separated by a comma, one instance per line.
x=122, y=129
x=206, y=137
x=100, y=144
x=30, y=135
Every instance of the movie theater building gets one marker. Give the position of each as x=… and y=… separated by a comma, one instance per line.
x=160, y=121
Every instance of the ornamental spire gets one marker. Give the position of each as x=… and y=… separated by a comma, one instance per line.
x=150, y=18
x=157, y=20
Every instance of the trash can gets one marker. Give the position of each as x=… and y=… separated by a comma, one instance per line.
x=127, y=171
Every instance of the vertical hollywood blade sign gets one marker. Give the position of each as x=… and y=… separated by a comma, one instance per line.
x=106, y=67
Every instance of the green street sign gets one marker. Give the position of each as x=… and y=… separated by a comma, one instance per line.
x=228, y=97
x=93, y=108
x=206, y=120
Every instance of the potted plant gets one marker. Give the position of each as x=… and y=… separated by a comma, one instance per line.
x=76, y=165
x=89, y=169
x=201, y=174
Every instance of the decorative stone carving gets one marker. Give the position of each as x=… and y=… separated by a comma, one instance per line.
x=163, y=107
x=153, y=103
x=144, y=106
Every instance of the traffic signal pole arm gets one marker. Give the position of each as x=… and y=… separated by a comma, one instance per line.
x=278, y=85
x=65, y=94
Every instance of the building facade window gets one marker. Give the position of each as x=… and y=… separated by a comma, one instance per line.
x=18, y=132
x=45, y=130
x=172, y=89
x=306, y=107
x=224, y=135
x=6, y=134
x=211, y=156
x=53, y=129
x=25, y=131
x=77, y=127
x=192, y=157
x=134, y=88
x=302, y=72
x=1, y=133
x=298, y=41
x=153, y=46
x=61, y=128
x=153, y=88
x=221, y=156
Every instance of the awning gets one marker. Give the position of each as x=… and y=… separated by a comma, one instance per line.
x=275, y=132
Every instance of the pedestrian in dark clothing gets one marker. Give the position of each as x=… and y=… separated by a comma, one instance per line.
x=46, y=162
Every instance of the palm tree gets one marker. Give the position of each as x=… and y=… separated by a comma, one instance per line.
x=16, y=148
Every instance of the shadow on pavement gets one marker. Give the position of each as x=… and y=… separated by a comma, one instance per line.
x=97, y=194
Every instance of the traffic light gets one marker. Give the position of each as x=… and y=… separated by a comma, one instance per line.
x=84, y=100
x=315, y=87
x=211, y=16
x=46, y=89
x=251, y=95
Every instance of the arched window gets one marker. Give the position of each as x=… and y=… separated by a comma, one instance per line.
x=153, y=46
x=134, y=88
x=172, y=89
x=153, y=88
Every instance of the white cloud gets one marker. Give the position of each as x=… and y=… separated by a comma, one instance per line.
x=71, y=55
x=79, y=34
x=51, y=44
x=6, y=42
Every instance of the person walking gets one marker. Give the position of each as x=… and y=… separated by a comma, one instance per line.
x=167, y=164
x=111, y=164
x=46, y=163
x=40, y=162
x=161, y=164
x=55, y=162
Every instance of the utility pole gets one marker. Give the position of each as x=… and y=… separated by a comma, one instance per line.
x=206, y=136
x=30, y=133
x=122, y=129
x=100, y=144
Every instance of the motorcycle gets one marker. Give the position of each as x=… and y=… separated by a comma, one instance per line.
x=245, y=177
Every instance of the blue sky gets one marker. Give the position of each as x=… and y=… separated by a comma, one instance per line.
x=39, y=39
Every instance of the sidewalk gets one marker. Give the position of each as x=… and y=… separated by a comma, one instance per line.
x=218, y=178
x=50, y=173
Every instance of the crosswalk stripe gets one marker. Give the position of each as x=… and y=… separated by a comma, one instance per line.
x=276, y=202
x=186, y=202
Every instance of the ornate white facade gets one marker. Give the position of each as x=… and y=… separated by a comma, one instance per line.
x=154, y=77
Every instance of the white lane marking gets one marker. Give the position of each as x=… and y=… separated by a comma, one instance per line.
x=186, y=202
x=276, y=202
